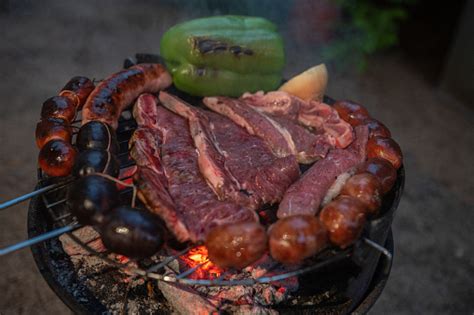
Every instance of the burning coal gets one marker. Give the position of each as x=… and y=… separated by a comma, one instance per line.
x=198, y=258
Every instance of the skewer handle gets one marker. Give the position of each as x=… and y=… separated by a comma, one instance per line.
x=27, y=196
x=38, y=239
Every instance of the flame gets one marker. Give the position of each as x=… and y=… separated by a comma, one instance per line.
x=199, y=256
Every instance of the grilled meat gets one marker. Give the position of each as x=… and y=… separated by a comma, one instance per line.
x=306, y=195
x=195, y=209
x=240, y=167
x=316, y=115
x=118, y=91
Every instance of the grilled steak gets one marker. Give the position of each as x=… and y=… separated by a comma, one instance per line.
x=309, y=146
x=240, y=166
x=306, y=195
x=145, y=149
x=211, y=162
x=260, y=173
x=279, y=127
x=196, y=209
x=256, y=123
x=312, y=114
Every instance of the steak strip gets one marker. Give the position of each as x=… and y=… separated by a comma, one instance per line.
x=211, y=162
x=279, y=129
x=313, y=114
x=310, y=147
x=195, y=209
x=264, y=176
x=256, y=123
x=305, y=196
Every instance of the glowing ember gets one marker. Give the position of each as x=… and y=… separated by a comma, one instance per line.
x=122, y=259
x=198, y=256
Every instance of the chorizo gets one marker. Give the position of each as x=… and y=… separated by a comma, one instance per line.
x=118, y=91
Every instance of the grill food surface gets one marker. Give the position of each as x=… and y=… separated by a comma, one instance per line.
x=196, y=209
x=200, y=169
x=220, y=171
x=240, y=167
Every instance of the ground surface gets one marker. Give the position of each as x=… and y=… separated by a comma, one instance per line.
x=42, y=46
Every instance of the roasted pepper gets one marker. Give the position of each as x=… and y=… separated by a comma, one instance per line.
x=224, y=55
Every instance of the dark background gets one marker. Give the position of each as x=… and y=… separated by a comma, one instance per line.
x=420, y=87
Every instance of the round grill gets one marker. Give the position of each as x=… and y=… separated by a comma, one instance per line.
x=348, y=274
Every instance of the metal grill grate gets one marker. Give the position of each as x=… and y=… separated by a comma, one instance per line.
x=54, y=201
x=53, y=193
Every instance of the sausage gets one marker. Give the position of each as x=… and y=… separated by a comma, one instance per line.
x=96, y=161
x=78, y=89
x=52, y=128
x=344, y=219
x=91, y=197
x=97, y=135
x=376, y=128
x=118, y=91
x=56, y=158
x=351, y=112
x=295, y=238
x=236, y=245
x=367, y=189
x=383, y=170
x=385, y=148
x=58, y=107
x=132, y=232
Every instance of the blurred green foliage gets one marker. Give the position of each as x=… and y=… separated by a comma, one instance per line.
x=367, y=27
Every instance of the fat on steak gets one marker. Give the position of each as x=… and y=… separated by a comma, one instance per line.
x=313, y=114
x=310, y=146
x=211, y=161
x=305, y=195
x=239, y=166
x=190, y=209
x=256, y=123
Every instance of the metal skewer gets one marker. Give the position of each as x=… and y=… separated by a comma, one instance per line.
x=338, y=257
x=38, y=239
x=191, y=271
x=30, y=195
x=167, y=260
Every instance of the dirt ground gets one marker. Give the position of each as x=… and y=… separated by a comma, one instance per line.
x=43, y=45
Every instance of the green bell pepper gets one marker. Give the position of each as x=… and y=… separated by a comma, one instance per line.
x=224, y=55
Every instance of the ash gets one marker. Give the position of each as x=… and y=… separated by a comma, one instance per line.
x=118, y=291
x=260, y=294
x=121, y=292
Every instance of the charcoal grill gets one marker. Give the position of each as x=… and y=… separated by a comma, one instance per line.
x=336, y=282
